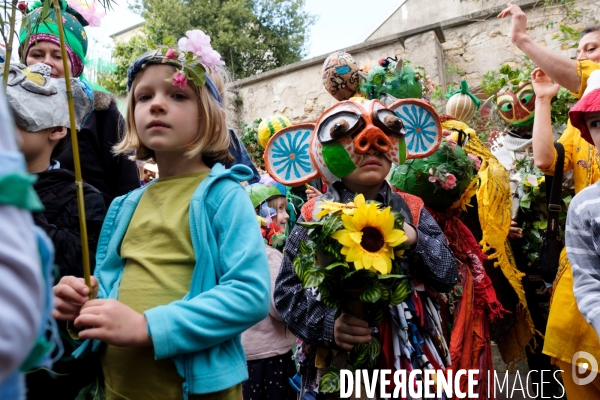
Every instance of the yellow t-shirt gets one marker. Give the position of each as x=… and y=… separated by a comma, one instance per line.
x=158, y=269
x=580, y=156
x=567, y=332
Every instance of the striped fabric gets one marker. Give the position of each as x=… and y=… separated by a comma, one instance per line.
x=583, y=250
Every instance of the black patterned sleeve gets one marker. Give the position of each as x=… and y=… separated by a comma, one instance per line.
x=301, y=309
x=432, y=256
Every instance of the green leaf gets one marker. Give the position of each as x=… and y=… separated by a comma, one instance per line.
x=198, y=74
x=371, y=294
x=337, y=264
x=310, y=225
x=540, y=224
x=358, y=355
x=388, y=276
x=330, y=381
x=400, y=293
x=169, y=40
x=314, y=278
x=525, y=203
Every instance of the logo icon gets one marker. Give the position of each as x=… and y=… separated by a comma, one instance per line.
x=583, y=362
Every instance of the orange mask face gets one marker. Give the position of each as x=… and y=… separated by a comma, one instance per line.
x=517, y=108
x=336, y=145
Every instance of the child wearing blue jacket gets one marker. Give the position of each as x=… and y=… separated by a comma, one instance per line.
x=181, y=269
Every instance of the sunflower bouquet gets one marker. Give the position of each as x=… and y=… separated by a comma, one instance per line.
x=354, y=258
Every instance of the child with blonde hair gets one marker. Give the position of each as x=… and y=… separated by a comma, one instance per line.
x=181, y=270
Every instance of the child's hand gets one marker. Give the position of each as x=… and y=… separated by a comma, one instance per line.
x=70, y=294
x=114, y=323
x=543, y=86
x=350, y=330
x=515, y=232
x=311, y=192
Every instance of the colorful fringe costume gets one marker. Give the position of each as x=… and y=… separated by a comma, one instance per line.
x=495, y=203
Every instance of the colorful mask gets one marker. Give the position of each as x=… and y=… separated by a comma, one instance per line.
x=335, y=145
x=31, y=91
x=390, y=78
x=518, y=107
x=340, y=75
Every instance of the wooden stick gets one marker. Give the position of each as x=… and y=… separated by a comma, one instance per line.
x=12, y=22
x=75, y=144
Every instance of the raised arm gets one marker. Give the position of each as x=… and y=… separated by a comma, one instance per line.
x=560, y=69
x=543, y=141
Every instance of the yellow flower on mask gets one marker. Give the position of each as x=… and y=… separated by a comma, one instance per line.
x=369, y=238
x=331, y=207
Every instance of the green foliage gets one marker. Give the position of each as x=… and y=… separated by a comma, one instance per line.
x=252, y=36
x=330, y=381
x=531, y=191
x=510, y=78
x=561, y=104
x=249, y=138
x=506, y=78
x=319, y=263
x=567, y=35
x=124, y=54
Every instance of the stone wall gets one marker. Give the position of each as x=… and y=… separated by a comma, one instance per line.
x=464, y=48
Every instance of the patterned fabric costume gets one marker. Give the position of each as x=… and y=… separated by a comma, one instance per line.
x=494, y=201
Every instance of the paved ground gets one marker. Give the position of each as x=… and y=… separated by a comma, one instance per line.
x=520, y=372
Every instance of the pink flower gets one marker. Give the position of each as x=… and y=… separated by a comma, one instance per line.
x=87, y=9
x=171, y=54
x=450, y=182
x=180, y=80
x=476, y=160
x=450, y=142
x=198, y=43
x=433, y=179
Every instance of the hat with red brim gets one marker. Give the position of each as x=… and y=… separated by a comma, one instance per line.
x=590, y=102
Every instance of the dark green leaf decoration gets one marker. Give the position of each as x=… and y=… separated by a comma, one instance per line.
x=314, y=278
x=330, y=381
x=400, y=293
x=371, y=294
x=337, y=264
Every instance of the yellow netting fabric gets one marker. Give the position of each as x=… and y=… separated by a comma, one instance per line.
x=494, y=200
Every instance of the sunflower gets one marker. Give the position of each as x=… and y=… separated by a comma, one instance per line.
x=369, y=238
x=331, y=207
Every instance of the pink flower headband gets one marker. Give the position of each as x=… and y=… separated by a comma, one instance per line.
x=192, y=58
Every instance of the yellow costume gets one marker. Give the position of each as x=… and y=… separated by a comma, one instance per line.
x=494, y=198
x=567, y=331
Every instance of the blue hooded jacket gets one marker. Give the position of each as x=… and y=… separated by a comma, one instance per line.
x=229, y=291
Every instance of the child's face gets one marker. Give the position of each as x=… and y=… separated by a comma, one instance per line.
x=37, y=146
x=166, y=117
x=282, y=216
x=372, y=171
x=592, y=121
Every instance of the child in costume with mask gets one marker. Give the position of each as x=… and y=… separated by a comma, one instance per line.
x=43, y=130
x=113, y=175
x=175, y=285
x=366, y=138
x=268, y=344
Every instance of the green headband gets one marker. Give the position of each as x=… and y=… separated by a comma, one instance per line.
x=73, y=23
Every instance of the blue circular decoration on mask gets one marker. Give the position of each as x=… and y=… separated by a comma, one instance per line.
x=422, y=127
